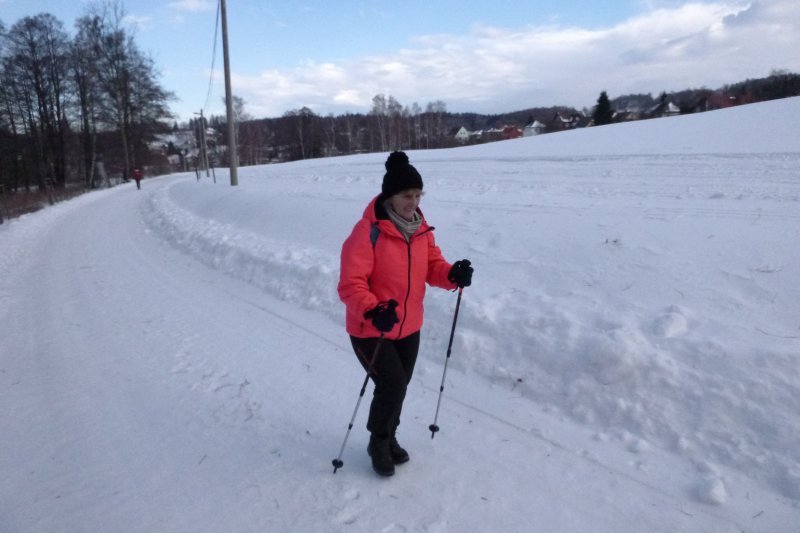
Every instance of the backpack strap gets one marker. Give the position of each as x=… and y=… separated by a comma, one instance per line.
x=373, y=234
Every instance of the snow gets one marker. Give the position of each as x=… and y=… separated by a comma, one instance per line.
x=627, y=359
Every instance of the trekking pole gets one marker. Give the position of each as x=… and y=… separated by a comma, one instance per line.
x=338, y=463
x=433, y=427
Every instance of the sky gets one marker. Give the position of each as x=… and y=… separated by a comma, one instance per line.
x=485, y=57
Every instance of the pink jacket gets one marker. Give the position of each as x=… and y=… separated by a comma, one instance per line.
x=393, y=269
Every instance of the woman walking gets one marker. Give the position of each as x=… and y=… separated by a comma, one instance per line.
x=385, y=265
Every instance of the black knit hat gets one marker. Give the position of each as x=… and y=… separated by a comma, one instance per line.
x=400, y=175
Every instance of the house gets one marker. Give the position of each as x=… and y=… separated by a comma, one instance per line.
x=713, y=101
x=664, y=108
x=182, y=140
x=562, y=122
x=627, y=115
x=534, y=128
x=462, y=135
x=213, y=138
x=512, y=132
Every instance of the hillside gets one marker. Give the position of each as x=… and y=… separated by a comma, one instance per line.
x=174, y=359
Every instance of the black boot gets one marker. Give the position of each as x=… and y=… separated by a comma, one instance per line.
x=381, y=455
x=399, y=455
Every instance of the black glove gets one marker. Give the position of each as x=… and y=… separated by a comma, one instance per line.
x=461, y=273
x=383, y=316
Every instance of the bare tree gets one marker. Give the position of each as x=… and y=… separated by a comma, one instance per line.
x=304, y=124
x=415, y=126
x=395, y=118
x=329, y=135
x=34, y=68
x=87, y=92
x=248, y=138
x=433, y=123
x=380, y=112
x=127, y=80
x=11, y=166
x=347, y=132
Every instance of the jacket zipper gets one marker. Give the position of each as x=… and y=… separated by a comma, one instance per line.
x=408, y=293
x=408, y=282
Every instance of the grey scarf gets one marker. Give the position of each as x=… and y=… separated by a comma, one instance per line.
x=406, y=227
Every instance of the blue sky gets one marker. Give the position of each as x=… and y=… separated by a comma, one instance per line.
x=488, y=57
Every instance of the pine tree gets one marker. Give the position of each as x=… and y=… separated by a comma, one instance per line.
x=603, y=114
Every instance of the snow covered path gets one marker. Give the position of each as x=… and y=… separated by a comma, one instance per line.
x=115, y=427
x=151, y=393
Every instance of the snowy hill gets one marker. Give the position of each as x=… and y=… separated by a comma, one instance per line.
x=627, y=359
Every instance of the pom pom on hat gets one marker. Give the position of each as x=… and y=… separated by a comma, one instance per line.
x=396, y=160
x=400, y=175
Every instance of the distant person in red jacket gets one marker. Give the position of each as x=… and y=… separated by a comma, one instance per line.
x=385, y=263
x=137, y=175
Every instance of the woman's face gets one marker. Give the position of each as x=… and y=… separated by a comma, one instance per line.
x=405, y=202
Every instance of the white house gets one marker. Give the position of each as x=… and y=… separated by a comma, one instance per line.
x=462, y=135
x=535, y=128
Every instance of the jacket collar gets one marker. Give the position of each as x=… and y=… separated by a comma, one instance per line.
x=375, y=212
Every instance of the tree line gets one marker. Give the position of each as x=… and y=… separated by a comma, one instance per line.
x=389, y=125
x=75, y=109
x=303, y=134
x=778, y=84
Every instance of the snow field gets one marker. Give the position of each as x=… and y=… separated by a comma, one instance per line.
x=652, y=296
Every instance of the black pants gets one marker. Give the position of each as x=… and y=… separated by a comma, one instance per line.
x=391, y=372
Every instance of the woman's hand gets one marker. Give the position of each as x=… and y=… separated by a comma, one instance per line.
x=383, y=316
x=461, y=273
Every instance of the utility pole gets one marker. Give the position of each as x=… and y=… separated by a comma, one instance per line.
x=232, y=156
x=203, y=140
x=203, y=146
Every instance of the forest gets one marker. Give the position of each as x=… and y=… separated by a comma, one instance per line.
x=75, y=109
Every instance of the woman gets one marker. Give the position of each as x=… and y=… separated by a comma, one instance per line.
x=386, y=262
x=137, y=175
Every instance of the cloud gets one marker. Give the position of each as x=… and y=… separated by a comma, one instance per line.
x=194, y=6
x=349, y=97
x=493, y=69
x=139, y=21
